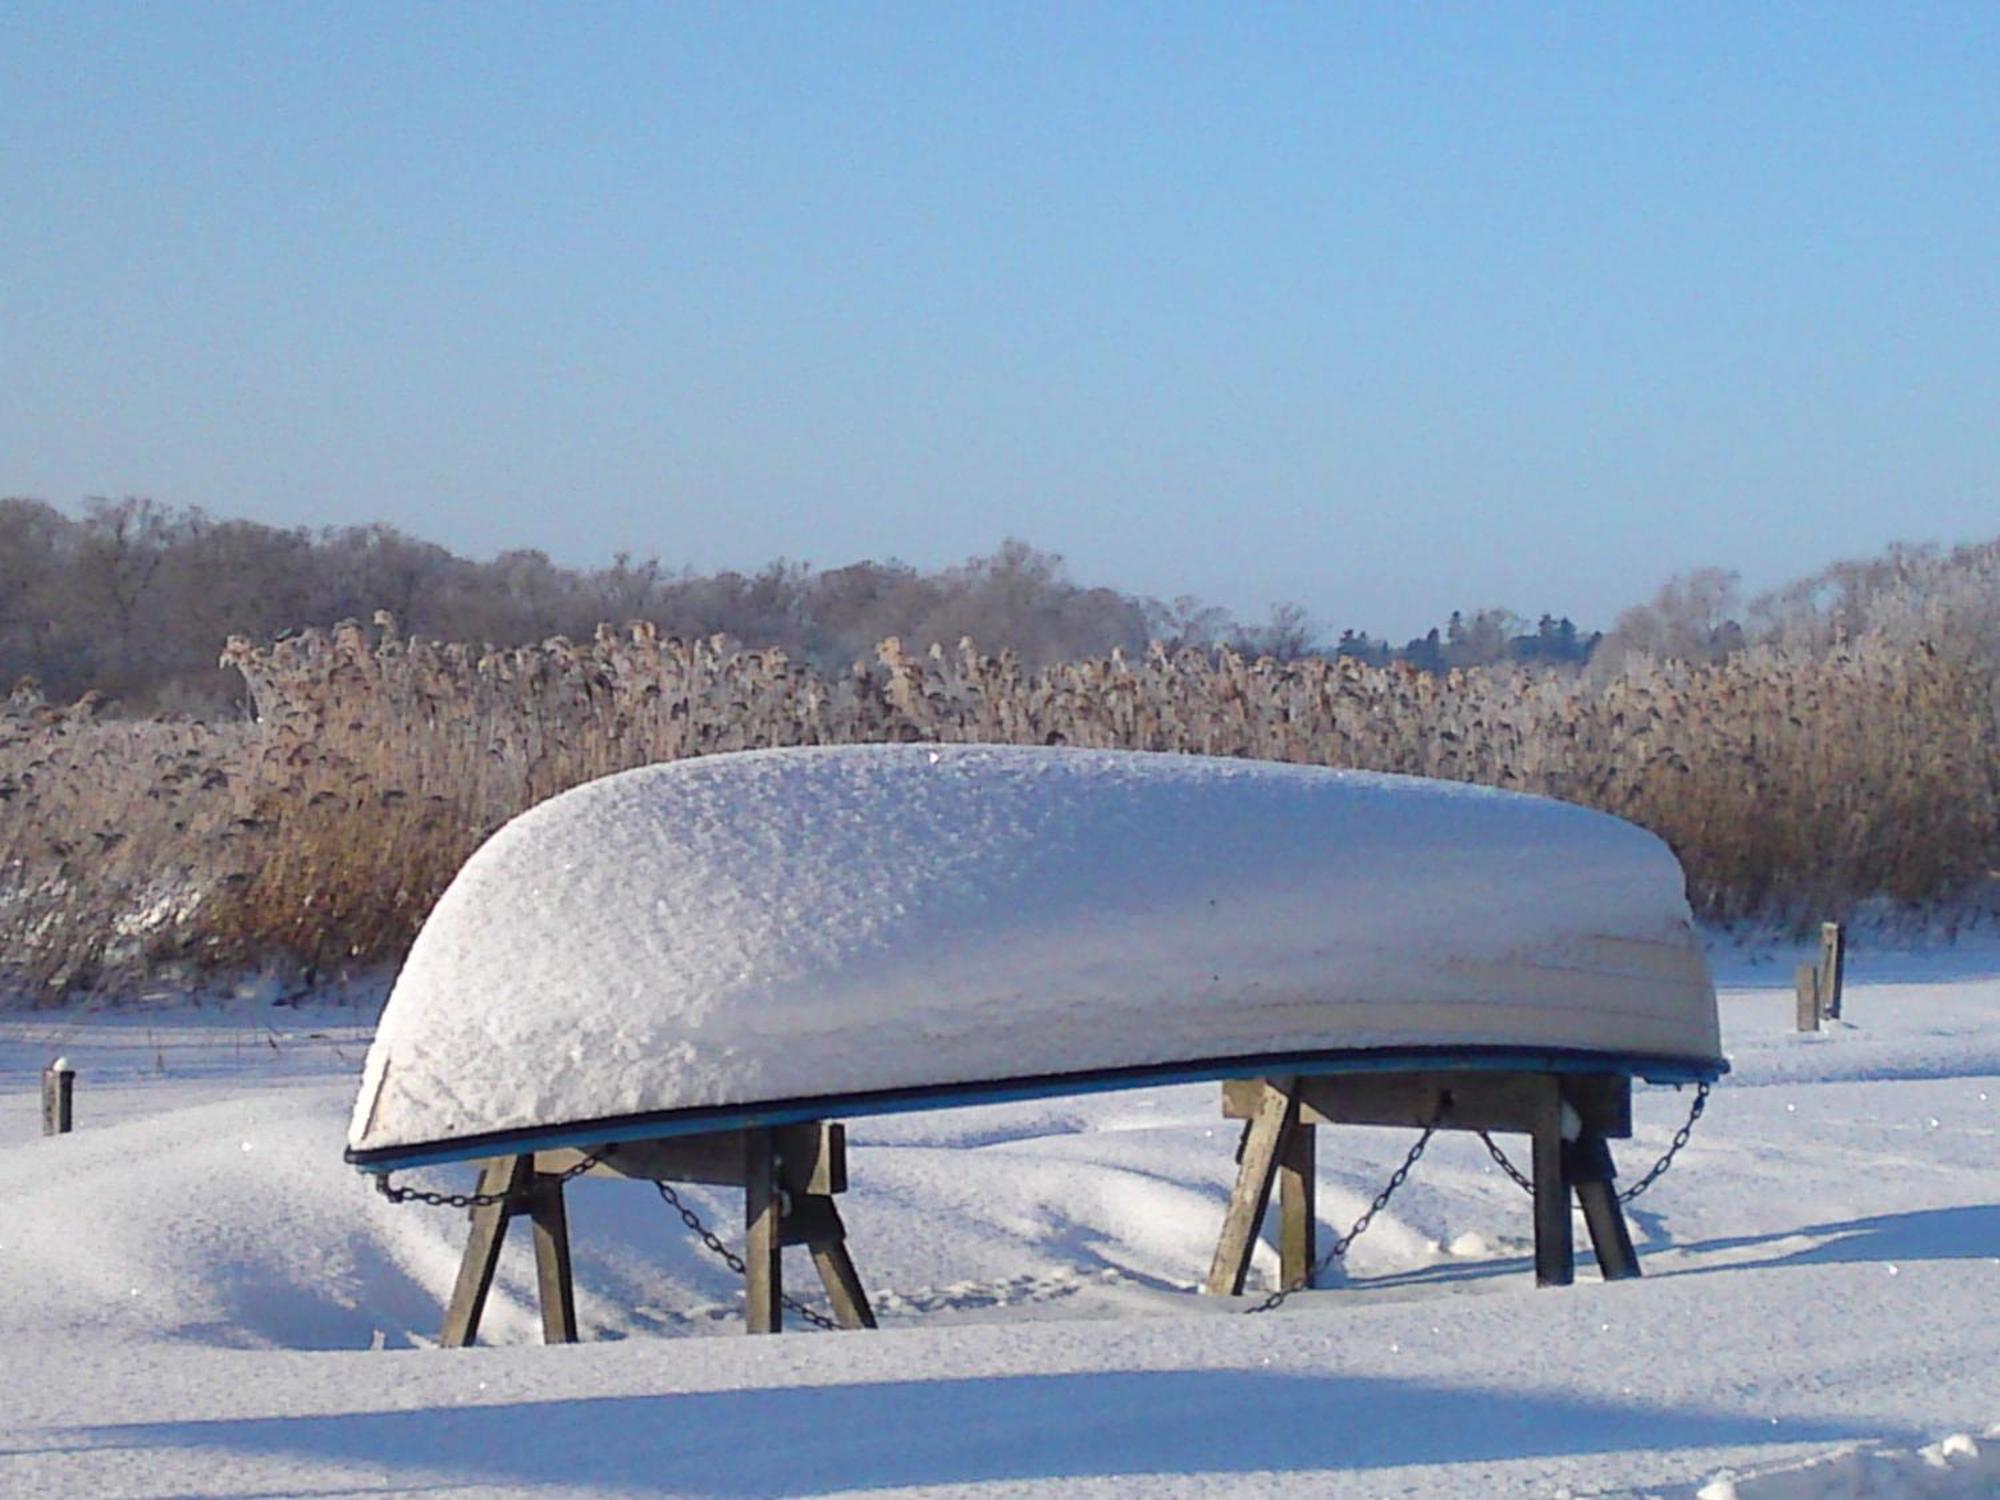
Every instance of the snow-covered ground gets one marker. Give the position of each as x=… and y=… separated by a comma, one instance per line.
x=198, y=1297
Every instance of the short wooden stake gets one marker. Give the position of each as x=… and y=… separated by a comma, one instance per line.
x=1809, y=997
x=1832, y=968
x=58, y=1098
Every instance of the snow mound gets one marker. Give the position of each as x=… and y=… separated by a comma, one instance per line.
x=1959, y=1465
x=791, y=925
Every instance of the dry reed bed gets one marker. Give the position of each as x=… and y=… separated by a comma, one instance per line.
x=1792, y=784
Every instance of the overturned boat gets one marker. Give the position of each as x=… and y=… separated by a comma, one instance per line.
x=749, y=940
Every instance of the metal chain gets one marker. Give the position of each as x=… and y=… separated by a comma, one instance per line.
x=729, y=1257
x=1277, y=1298
x=672, y=1199
x=479, y=1200
x=1659, y=1168
x=1360, y=1226
x=1653, y=1174
x=1493, y=1150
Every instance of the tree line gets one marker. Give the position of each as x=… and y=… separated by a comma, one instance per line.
x=134, y=599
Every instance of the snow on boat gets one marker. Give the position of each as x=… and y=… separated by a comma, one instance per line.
x=772, y=936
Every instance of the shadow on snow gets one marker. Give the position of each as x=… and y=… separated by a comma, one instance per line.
x=1970, y=1232
x=814, y=1440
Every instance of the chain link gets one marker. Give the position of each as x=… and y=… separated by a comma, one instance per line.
x=1653, y=1174
x=729, y=1257
x=1493, y=1150
x=1659, y=1168
x=481, y=1200
x=1360, y=1225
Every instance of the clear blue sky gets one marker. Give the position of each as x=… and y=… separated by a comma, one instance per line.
x=1387, y=310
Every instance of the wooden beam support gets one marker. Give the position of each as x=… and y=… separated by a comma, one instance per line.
x=843, y=1285
x=815, y=1157
x=1555, y=1242
x=502, y=1174
x=763, y=1240
x=1474, y=1100
x=1298, y=1207
x=1587, y=1164
x=1610, y=1238
x=789, y=1175
x=1263, y=1145
x=811, y=1220
x=555, y=1287
x=836, y=1270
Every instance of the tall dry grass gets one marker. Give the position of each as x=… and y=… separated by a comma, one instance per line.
x=1793, y=783
x=110, y=833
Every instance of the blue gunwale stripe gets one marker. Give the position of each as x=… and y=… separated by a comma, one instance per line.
x=662, y=1124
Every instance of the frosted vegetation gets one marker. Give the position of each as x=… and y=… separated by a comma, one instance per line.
x=1826, y=747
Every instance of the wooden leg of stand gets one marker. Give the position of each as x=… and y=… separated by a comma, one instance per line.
x=554, y=1285
x=1298, y=1209
x=503, y=1174
x=764, y=1273
x=1589, y=1168
x=842, y=1281
x=1555, y=1244
x=1609, y=1236
x=1263, y=1144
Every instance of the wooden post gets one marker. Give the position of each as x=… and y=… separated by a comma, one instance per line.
x=837, y=1273
x=1587, y=1164
x=58, y=1098
x=1264, y=1141
x=503, y=1174
x=1610, y=1238
x=555, y=1288
x=1298, y=1208
x=1832, y=968
x=1809, y=997
x=764, y=1270
x=1555, y=1240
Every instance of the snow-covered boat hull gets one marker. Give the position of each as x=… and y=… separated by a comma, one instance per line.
x=785, y=935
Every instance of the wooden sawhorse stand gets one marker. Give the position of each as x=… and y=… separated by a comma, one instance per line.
x=789, y=1174
x=1570, y=1118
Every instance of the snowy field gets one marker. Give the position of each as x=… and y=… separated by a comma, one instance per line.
x=198, y=1298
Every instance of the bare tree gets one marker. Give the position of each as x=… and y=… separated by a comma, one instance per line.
x=1186, y=621
x=1693, y=617
x=1480, y=639
x=1286, y=636
x=33, y=540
